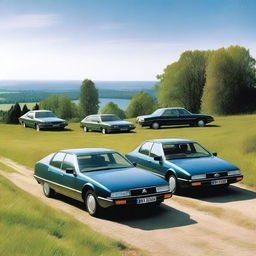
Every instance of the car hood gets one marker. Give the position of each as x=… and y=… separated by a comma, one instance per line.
x=125, y=178
x=117, y=122
x=50, y=119
x=145, y=116
x=202, y=165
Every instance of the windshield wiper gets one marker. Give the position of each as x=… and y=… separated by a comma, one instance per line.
x=106, y=168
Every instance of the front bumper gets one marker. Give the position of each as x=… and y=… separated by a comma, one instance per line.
x=52, y=126
x=132, y=200
x=121, y=129
x=208, y=182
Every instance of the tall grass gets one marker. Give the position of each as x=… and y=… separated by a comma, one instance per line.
x=230, y=136
x=29, y=227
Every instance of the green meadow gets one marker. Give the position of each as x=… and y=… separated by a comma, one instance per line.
x=233, y=137
x=29, y=227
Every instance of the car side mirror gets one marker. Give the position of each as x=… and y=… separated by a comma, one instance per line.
x=158, y=158
x=70, y=170
x=135, y=164
x=215, y=154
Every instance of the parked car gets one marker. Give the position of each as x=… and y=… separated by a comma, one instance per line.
x=99, y=177
x=42, y=119
x=106, y=123
x=184, y=163
x=173, y=116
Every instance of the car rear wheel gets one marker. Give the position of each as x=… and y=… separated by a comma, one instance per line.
x=91, y=203
x=201, y=123
x=38, y=128
x=155, y=125
x=104, y=130
x=86, y=129
x=172, y=183
x=48, y=192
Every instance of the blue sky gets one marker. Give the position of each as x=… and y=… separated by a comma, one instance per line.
x=115, y=39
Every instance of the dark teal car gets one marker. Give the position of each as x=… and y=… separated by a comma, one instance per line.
x=105, y=123
x=100, y=178
x=42, y=119
x=184, y=163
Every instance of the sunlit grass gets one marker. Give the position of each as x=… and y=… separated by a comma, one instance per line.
x=229, y=136
x=29, y=227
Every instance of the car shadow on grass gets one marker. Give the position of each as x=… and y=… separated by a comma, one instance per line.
x=184, y=126
x=145, y=218
x=57, y=130
x=220, y=195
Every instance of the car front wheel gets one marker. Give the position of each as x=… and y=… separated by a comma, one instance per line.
x=91, y=203
x=86, y=129
x=48, y=192
x=104, y=131
x=37, y=127
x=155, y=125
x=24, y=125
x=200, y=123
x=172, y=183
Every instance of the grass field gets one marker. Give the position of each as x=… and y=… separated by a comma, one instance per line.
x=6, y=107
x=29, y=227
x=233, y=137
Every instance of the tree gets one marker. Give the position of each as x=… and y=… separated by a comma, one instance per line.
x=13, y=114
x=112, y=108
x=61, y=105
x=24, y=110
x=230, y=85
x=182, y=82
x=36, y=107
x=89, y=98
x=141, y=104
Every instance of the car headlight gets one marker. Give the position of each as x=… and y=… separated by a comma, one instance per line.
x=141, y=119
x=235, y=172
x=164, y=188
x=120, y=194
x=198, y=176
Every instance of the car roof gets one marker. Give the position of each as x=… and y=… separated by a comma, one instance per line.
x=87, y=151
x=102, y=115
x=172, y=108
x=172, y=140
x=40, y=111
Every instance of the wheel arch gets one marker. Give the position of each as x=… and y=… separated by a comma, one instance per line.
x=170, y=172
x=87, y=187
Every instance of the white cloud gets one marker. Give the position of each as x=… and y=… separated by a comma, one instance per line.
x=29, y=21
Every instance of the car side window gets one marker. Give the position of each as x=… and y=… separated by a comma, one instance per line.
x=183, y=112
x=95, y=119
x=68, y=162
x=57, y=160
x=145, y=148
x=30, y=115
x=171, y=112
x=88, y=119
x=156, y=150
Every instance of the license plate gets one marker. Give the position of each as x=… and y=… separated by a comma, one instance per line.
x=219, y=182
x=124, y=129
x=56, y=125
x=146, y=200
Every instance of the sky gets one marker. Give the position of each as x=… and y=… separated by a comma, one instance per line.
x=115, y=40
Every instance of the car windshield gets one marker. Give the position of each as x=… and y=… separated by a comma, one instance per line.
x=44, y=114
x=158, y=112
x=184, y=150
x=103, y=161
x=110, y=118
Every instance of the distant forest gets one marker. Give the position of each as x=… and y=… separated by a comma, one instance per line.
x=9, y=97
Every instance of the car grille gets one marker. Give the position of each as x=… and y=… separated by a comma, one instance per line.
x=56, y=122
x=217, y=174
x=139, y=191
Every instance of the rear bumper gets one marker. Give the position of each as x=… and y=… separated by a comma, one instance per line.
x=107, y=202
x=208, y=182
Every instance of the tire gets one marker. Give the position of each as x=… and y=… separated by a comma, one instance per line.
x=172, y=180
x=91, y=203
x=85, y=129
x=200, y=123
x=37, y=128
x=48, y=192
x=24, y=125
x=155, y=125
x=104, y=130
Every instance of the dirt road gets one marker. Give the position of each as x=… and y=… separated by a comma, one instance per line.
x=204, y=223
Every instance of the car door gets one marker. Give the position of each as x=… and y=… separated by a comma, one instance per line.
x=56, y=174
x=185, y=117
x=94, y=123
x=143, y=158
x=170, y=116
x=157, y=166
x=70, y=180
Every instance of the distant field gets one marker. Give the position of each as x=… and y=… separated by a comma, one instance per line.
x=233, y=137
x=29, y=227
x=5, y=107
